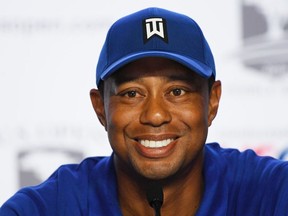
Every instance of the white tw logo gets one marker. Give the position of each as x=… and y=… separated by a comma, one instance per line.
x=155, y=26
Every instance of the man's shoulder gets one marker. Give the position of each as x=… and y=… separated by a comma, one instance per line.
x=68, y=184
x=247, y=182
x=246, y=163
x=71, y=177
x=83, y=168
x=214, y=150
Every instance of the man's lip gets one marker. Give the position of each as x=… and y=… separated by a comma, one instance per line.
x=166, y=145
x=156, y=137
x=155, y=143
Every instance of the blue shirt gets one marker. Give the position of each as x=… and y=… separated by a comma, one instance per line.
x=236, y=183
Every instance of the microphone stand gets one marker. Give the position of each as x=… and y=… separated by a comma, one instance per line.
x=156, y=205
x=154, y=196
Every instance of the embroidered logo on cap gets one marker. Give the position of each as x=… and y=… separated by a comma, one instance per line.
x=155, y=27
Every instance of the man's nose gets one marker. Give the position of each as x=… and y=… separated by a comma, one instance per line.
x=155, y=112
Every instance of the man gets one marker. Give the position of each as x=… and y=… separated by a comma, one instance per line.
x=156, y=98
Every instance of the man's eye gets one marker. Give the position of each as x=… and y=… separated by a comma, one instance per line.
x=177, y=92
x=131, y=94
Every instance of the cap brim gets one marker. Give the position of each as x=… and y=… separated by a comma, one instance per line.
x=193, y=64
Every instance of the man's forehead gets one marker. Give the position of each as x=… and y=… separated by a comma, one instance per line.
x=156, y=67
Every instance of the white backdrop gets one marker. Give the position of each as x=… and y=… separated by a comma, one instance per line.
x=48, y=56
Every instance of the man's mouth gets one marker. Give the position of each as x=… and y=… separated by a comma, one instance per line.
x=155, y=143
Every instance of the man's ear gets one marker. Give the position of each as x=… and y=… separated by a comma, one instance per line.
x=98, y=105
x=215, y=95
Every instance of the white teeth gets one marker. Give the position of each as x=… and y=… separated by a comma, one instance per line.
x=155, y=144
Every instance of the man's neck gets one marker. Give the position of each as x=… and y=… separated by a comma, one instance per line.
x=182, y=196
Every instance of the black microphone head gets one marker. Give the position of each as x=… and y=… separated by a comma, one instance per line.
x=154, y=194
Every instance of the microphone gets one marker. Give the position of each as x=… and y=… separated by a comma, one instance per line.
x=154, y=195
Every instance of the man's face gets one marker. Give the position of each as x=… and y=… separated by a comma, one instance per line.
x=156, y=113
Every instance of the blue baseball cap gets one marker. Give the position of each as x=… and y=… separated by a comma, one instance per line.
x=155, y=32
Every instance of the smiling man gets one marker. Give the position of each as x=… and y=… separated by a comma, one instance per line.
x=157, y=112
x=156, y=98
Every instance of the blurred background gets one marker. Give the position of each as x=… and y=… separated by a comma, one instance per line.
x=48, y=55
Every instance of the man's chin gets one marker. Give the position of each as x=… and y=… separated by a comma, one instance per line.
x=156, y=174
